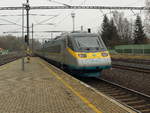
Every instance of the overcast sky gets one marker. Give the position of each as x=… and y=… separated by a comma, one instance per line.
x=63, y=21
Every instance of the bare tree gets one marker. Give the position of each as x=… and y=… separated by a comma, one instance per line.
x=13, y=43
x=124, y=27
x=147, y=18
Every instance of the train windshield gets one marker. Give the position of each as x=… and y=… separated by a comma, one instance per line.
x=89, y=43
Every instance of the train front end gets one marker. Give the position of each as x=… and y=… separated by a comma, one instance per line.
x=90, y=54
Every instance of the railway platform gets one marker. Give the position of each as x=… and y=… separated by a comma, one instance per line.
x=43, y=88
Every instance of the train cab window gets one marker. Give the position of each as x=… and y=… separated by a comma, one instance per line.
x=70, y=44
x=102, y=45
x=88, y=43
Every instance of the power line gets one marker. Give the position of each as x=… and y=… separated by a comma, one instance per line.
x=77, y=7
x=10, y=22
x=60, y=3
x=36, y=31
x=6, y=24
x=46, y=20
x=69, y=13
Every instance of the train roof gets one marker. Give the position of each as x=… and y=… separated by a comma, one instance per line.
x=71, y=34
x=80, y=34
x=75, y=34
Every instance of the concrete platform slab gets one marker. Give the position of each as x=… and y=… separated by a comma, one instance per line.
x=42, y=88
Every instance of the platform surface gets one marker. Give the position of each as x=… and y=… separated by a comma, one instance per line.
x=43, y=89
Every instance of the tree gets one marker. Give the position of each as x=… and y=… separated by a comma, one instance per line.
x=124, y=27
x=13, y=43
x=109, y=33
x=105, y=30
x=147, y=18
x=113, y=34
x=139, y=35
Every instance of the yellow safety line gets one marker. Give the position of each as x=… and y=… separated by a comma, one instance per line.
x=3, y=68
x=86, y=101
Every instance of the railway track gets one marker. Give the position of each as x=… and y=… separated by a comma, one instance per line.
x=9, y=58
x=132, y=68
x=135, y=100
x=136, y=61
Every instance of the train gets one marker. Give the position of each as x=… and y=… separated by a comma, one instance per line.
x=81, y=53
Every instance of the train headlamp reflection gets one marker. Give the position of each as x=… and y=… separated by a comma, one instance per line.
x=82, y=55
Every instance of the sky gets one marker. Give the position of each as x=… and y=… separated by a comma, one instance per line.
x=62, y=20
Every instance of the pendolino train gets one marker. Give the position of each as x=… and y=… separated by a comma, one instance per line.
x=83, y=53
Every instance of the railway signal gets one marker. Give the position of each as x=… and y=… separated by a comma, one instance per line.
x=26, y=39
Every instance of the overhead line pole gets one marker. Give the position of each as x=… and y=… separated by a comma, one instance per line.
x=28, y=31
x=27, y=9
x=23, y=37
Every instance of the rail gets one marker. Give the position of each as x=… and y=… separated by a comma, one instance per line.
x=132, y=68
x=135, y=100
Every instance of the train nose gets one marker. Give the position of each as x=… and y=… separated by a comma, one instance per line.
x=94, y=62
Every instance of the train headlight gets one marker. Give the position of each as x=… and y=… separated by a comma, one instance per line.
x=104, y=54
x=82, y=55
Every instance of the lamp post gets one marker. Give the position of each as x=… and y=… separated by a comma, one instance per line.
x=27, y=7
x=73, y=20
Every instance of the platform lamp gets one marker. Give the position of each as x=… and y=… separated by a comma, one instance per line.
x=73, y=20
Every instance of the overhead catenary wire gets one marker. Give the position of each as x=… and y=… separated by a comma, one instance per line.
x=45, y=20
x=69, y=13
x=77, y=7
x=25, y=14
x=10, y=22
x=100, y=18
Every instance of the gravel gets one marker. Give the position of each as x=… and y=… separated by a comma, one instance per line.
x=130, y=79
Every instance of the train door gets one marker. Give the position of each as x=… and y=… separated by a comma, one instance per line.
x=65, y=52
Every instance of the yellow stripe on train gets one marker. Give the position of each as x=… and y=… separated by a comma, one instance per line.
x=91, y=55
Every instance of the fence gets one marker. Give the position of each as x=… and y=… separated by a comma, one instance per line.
x=3, y=52
x=133, y=49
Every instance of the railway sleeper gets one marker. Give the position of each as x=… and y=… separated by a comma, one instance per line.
x=128, y=99
x=142, y=106
x=107, y=92
x=131, y=103
x=145, y=110
x=122, y=96
x=119, y=94
x=112, y=92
